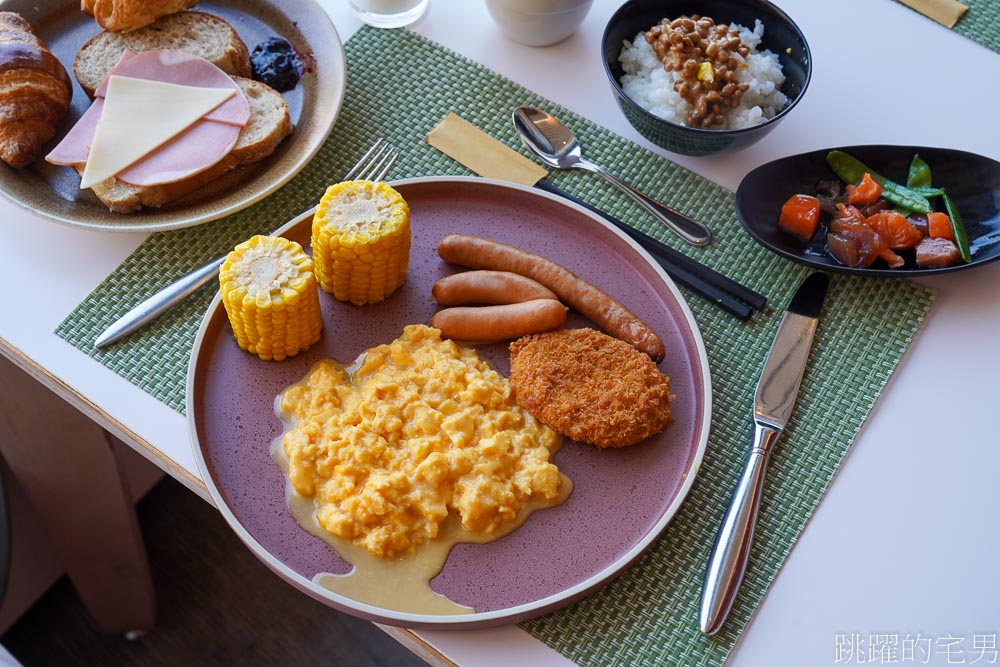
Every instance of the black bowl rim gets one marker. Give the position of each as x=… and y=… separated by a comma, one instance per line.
x=697, y=130
x=833, y=265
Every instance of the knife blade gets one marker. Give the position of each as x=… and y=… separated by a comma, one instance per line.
x=486, y=156
x=774, y=400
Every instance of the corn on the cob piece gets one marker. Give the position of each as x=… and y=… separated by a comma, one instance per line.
x=361, y=241
x=270, y=295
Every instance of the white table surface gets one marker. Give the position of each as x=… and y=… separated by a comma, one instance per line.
x=906, y=542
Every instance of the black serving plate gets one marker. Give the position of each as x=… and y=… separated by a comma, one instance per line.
x=971, y=180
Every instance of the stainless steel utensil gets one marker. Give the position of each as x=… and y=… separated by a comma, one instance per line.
x=373, y=166
x=557, y=146
x=470, y=146
x=773, y=402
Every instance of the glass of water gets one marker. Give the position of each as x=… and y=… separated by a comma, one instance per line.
x=389, y=13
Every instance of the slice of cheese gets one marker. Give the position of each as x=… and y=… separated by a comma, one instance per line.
x=141, y=115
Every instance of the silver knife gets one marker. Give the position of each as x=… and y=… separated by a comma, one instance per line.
x=773, y=403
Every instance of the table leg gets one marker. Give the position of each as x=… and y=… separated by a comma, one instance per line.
x=67, y=465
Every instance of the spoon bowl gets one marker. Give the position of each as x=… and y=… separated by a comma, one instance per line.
x=972, y=181
x=551, y=141
x=556, y=145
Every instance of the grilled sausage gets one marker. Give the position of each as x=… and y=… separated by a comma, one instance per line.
x=488, y=287
x=594, y=304
x=504, y=322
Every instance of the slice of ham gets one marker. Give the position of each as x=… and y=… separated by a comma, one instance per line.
x=183, y=69
x=75, y=146
x=196, y=149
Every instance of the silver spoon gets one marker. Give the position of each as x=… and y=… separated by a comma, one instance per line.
x=556, y=146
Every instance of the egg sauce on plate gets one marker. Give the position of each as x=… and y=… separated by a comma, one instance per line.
x=416, y=446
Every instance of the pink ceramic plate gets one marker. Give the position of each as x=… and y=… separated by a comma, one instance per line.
x=622, y=499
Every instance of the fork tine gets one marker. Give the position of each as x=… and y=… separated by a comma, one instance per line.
x=363, y=163
x=378, y=170
x=380, y=176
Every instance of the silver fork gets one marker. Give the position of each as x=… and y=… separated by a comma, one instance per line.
x=373, y=166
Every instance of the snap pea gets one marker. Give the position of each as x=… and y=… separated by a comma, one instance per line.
x=958, y=228
x=919, y=178
x=846, y=167
x=852, y=170
x=919, y=174
x=903, y=196
x=924, y=190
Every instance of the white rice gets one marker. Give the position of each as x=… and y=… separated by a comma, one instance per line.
x=651, y=86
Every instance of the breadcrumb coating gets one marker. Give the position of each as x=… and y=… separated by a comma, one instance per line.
x=590, y=387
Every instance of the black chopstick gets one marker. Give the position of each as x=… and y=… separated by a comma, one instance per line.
x=721, y=290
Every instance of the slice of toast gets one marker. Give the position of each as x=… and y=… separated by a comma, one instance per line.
x=269, y=124
x=204, y=35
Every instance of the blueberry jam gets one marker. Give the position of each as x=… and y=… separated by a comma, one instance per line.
x=275, y=63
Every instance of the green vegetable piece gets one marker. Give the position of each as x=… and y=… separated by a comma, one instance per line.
x=958, y=228
x=920, y=173
x=904, y=196
x=846, y=167
x=927, y=191
x=852, y=170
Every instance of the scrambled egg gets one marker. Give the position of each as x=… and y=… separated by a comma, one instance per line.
x=421, y=427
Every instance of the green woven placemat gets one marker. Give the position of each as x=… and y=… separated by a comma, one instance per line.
x=399, y=86
x=981, y=23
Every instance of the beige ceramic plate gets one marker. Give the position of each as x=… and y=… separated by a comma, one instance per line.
x=53, y=192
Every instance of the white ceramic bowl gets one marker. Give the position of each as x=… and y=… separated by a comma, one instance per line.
x=538, y=22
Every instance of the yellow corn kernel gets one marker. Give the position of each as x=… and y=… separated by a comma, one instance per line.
x=361, y=241
x=706, y=72
x=269, y=292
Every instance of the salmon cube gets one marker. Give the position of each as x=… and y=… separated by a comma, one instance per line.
x=937, y=253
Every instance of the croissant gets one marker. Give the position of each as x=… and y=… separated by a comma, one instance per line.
x=127, y=15
x=34, y=92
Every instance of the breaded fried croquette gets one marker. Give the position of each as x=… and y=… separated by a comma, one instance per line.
x=590, y=386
